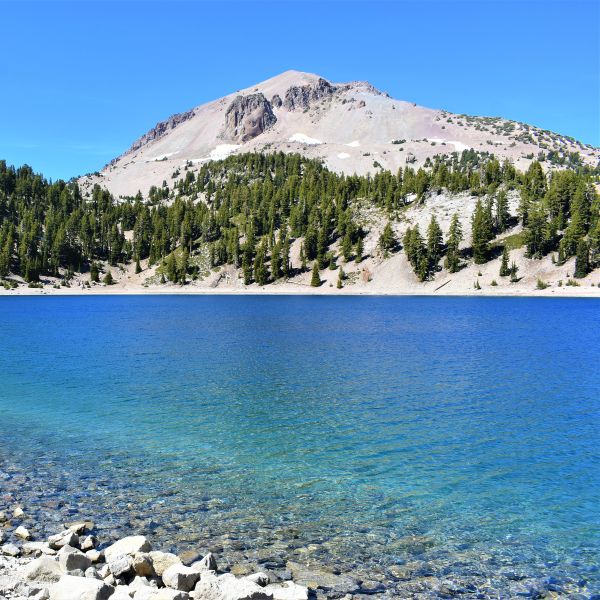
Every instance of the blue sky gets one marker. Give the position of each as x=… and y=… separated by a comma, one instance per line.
x=82, y=80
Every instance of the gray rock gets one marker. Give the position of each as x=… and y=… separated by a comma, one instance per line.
x=120, y=566
x=64, y=538
x=79, y=527
x=142, y=565
x=276, y=101
x=92, y=573
x=3, y=516
x=73, y=560
x=44, y=569
x=11, y=550
x=208, y=563
x=180, y=577
x=80, y=588
x=161, y=561
x=128, y=546
x=248, y=117
x=42, y=594
x=302, y=97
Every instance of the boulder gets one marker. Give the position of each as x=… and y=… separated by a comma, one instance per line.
x=288, y=591
x=128, y=546
x=79, y=527
x=208, y=563
x=161, y=561
x=122, y=592
x=18, y=512
x=168, y=594
x=88, y=543
x=73, y=560
x=120, y=566
x=142, y=565
x=44, y=569
x=10, y=550
x=3, y=516
x=38, y=548
x=22, y=532
x=80, y=588
x=180, y=577
x=261, y=579
x=228, y=587
x=64, y=538
x=94, y=555
x=92, y=573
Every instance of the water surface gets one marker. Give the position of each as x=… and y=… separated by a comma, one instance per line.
x=400, y=439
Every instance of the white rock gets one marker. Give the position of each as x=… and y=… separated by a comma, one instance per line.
x=228, y=587
x=168, y=594
x=64, y=538
x=288, y=591
x=104, y=571
x=3, y=516
x=71, y=559
x=161, y=561
x=180, y=577
x=10, y=550
x=120, y=566
x=80, y=588
x=208, y=563
x=261, y=579
x=88, y=543
x=94, y=555
x=44, y=569
x=18, y=512
x=122, y=592
x=38, y=548
x=22, y=532
x=128, y=546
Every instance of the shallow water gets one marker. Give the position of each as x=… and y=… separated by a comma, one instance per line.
x=401, y=439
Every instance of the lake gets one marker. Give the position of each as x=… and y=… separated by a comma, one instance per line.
x=408, y=441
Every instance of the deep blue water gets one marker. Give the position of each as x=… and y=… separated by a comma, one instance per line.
x=463, y=433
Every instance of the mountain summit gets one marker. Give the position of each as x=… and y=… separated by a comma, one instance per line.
x=352, y=127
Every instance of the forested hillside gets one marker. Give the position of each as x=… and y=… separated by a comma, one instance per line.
x=247, y=210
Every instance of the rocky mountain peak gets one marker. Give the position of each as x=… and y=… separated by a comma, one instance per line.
x=247, y=117
x=301, y=97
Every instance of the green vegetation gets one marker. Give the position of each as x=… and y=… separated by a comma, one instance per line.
x=247, y=210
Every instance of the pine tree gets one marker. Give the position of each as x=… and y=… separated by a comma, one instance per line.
x=502, y=215
x=340, y=279
x=347, y=247
x=138, y=267
x=481, y=233
x=315, y=280
x=455, y=237
x=276, y=269
x=387, y=239
x=582, y=259
x=261, y=275
x=94, y=273
x=513, y=272
x=504, y=268
x=358, y=250
x=108, y=278
x=285, y=257
x=434, y=243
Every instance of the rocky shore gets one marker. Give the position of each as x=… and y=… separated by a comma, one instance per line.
x=74, y=565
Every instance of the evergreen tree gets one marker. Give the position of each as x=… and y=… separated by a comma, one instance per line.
x=504, y=268
x=387, y=239
x=358, y=251
x=481, y=233
x=502, y=218
x=455, y=237
x=108, y=278
x=261, y=275
x=94, y=273
x=315, y=280
x=582, y=259
x=434, y=243
x=340, y=279
x=138, y=267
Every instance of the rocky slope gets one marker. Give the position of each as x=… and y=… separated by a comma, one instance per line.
x=353, y=127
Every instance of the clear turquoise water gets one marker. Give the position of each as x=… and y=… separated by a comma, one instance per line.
x=451, y=436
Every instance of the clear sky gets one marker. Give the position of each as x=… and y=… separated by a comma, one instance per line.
x=82, y=80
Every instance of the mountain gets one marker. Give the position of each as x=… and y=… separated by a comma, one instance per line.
x=352, y=127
